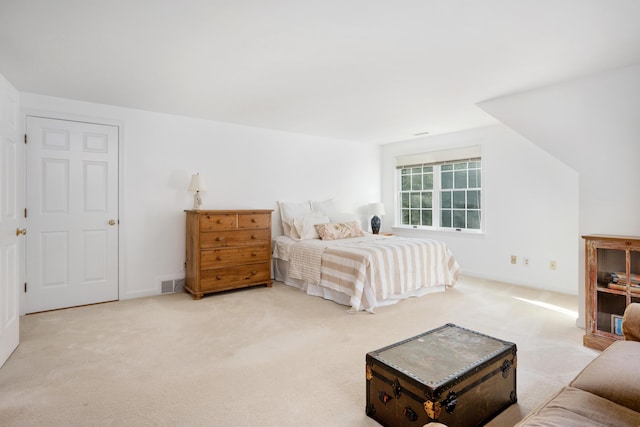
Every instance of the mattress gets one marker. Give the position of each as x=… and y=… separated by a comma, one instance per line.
x=365, y=272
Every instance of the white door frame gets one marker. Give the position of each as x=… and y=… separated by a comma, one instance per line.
x=123, y=223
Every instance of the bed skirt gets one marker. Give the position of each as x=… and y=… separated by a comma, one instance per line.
x=281, y=274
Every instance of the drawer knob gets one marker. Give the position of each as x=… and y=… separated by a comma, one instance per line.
x=253, y=237
x=219, y=239
x=253, y=272
x=219, y=277
x=219, y=258
x=219, y=221
x=254, y=254
x=253, y=220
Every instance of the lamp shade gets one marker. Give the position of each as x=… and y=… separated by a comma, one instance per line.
x=197, y=183
x=376, y=208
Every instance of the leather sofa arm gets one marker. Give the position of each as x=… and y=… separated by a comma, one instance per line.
x=631, y=322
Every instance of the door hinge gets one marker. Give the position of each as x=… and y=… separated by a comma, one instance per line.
x=25, y=212
x=25, y=138
x=25, y=287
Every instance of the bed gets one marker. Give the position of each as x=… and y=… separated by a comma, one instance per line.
x=365, y=272
x=327, y=254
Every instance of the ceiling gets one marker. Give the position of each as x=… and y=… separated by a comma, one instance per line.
x=375, y=71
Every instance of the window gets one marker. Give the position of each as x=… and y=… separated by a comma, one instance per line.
x=440, y=194
x=416, y=195
x=460, y=195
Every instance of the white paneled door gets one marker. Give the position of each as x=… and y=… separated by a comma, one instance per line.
x=72, y=213
x=11, y=199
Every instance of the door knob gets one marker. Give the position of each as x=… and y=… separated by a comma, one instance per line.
x=19, y=231
x=112, y=222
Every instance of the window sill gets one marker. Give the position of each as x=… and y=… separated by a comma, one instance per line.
x=408, y=230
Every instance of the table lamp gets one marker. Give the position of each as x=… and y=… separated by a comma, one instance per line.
x=197, y=184
x=376, y=209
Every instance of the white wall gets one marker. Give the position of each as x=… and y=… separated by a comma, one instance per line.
x=530, y=209
x=245, y=168
x=593, y=125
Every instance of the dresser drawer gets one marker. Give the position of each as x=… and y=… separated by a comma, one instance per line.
x=256, y=220
x=212, y=222
x=229, y=277
x=220, y=239
x=217, y=258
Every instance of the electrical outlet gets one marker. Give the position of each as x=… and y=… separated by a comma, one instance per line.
x=514, y=259
x=553, y=265
x=525, y=261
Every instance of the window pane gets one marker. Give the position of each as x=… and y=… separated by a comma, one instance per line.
x=459, y=219
x=405, y=200
x=474, y=179
x=427, y=217
x=416, y=170
x=405, y=216
x=447, y=180
x=460, y=179
x=473, y=220
x=415, y=217
x=460, y=166
x=427, y=169
x=416, y=182
x=427, y=181
x=446, y=167
x=445, y=220
x=474, y=165
x=459, y=200
x=427, y=200
x=473, y=199
x=445, y=199
x=406, y=182
x=415, y=200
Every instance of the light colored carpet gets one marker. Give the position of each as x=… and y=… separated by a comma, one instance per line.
x=261, y=356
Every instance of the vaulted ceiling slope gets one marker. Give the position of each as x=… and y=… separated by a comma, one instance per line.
x=368, y=70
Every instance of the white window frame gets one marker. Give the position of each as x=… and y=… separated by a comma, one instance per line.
x=437, y=159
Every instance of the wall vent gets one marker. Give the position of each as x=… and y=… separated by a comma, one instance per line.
x=168, y=286
x=178, y=285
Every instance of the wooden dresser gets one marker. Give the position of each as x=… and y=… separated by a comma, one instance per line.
x=227, y=249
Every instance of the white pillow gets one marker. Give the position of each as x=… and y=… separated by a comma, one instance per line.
x=305, y=226
x=345, y=217
x=289, y=229
x=325, y=207
x=293, y=210
x=289, y=211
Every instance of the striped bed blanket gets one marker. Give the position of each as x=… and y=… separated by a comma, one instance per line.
x=372, y=269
